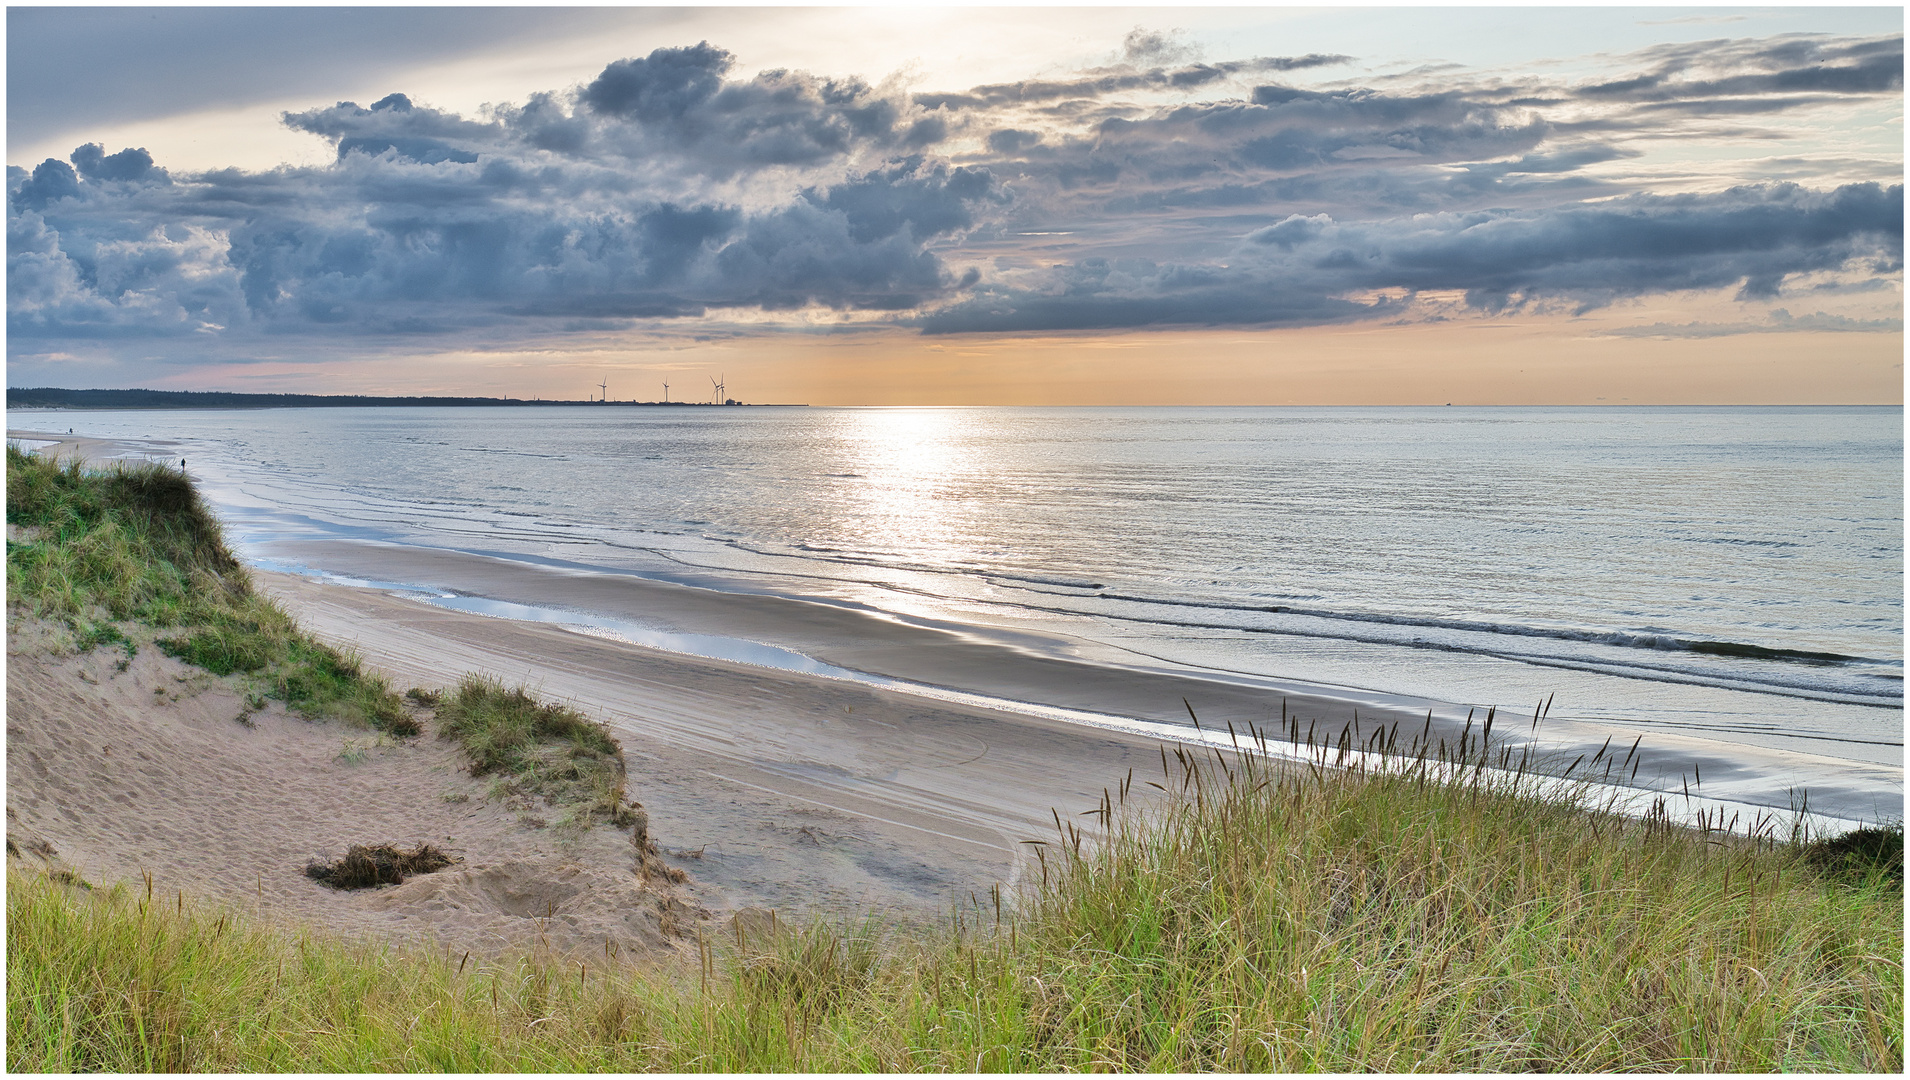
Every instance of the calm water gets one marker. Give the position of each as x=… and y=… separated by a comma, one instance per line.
x=1721, y=570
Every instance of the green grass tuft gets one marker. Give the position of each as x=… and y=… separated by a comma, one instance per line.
x=538, y=747
x=1857, y=856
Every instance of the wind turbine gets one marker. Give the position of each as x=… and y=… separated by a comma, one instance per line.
x=718, y=387
x=666, y=393
x=605, y=387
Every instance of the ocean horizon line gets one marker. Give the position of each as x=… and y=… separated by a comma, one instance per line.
x=44, y=398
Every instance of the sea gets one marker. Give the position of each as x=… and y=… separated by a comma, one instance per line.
x=1724, y=573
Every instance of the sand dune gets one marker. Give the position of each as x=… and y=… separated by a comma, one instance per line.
x=771, y=789
x=117, y=774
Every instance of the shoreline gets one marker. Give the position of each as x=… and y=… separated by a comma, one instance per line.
x=1025, y=673
x=570, y=661
x=994, y=671
x=906, y=802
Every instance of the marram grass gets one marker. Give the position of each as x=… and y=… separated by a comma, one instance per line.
x=1257, y=920
x=535, y=747
x=1253, y=917
x=135, y=543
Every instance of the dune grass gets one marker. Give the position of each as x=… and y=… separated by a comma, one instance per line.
x=1256, y=918
x=535, y=747
x=134, y=543
x=1418, y=912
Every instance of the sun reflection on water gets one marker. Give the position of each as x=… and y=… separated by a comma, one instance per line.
x=918, y=474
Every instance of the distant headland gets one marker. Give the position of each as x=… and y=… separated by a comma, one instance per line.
x=45, y=397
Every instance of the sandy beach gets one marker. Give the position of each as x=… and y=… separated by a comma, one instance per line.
x=767, y=787
x=799, y=792
x=770, y=789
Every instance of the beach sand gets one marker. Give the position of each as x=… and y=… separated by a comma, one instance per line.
x=124, y=774
x=769, y=788
x=794, y=792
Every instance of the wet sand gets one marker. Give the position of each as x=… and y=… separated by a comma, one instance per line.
x=1020, y=672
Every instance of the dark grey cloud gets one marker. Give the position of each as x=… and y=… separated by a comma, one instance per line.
x=1299, y=270
x=1114, y=294
x=662, y=87
x=401, y=241
x=131, y=164
x=393, y=123
x=1012, y=141
x=678, y=105
x=1349, y=150
x=1791, y=64
x=1435, y=140
x=51, y=181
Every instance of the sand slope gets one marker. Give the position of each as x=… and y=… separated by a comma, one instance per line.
x=116, y=773
x=772, y=790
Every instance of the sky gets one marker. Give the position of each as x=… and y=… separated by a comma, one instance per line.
x=895, y=206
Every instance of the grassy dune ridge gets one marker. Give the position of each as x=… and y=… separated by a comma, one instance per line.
x=1225, y=913
x=136, y=543
x=1323, y=920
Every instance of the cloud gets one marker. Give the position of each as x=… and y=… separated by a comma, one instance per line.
x=165, y=282
x=1299, y=271
x=1143, y=46
x=132, y=165
x=1780, y=322
x=1124, y=79
x=662, y=87
x=676, y=104
x=591, y=204
x=672, y=186
x=1690, y=73
x=51, y=181
x=410, y=241
x=393, y=124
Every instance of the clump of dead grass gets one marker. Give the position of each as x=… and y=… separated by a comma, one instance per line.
x=363, y=867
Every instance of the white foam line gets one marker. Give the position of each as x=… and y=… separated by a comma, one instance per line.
x=1684, y=809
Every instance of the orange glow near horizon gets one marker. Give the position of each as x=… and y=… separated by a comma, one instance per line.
x=1508, y=363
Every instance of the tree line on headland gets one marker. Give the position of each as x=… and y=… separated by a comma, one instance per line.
x=44, y=397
